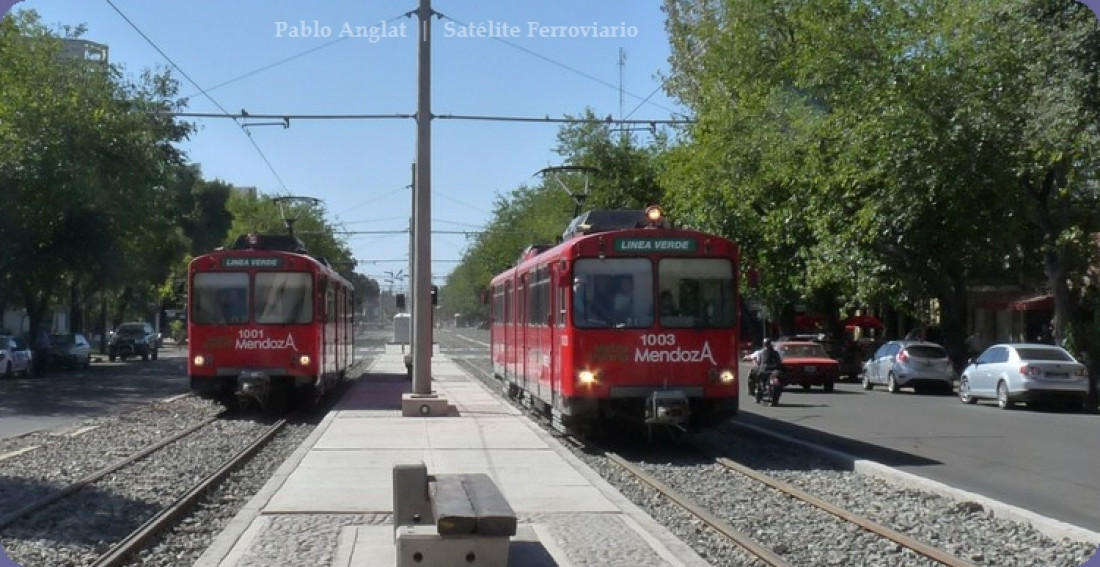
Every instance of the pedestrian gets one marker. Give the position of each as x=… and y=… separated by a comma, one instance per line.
x=41, y=352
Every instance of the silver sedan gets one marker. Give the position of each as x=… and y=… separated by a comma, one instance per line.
x=1024, y=372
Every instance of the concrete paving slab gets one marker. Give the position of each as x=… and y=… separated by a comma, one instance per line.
x=359, y=481
x=372, y=546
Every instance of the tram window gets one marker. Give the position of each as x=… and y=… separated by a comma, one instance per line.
x=219, y=298
x=616, y=292
x=284, y=297
x=696, y=292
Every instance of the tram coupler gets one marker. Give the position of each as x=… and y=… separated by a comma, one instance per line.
x=667, y=407
x=254, y=385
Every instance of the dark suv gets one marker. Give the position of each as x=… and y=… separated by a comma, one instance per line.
x=133, y=339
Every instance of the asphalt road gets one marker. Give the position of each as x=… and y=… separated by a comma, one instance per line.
x=65, y=397
x=1043, y=461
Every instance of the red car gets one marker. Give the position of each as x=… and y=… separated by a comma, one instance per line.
x=807, y=364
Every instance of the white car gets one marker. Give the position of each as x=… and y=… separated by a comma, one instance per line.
x=15, y=356
x=1024, y=372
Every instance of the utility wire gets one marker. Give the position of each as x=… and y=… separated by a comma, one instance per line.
x=563, y=65
x=271, y=65
x=289, y=59
x=471, y=117
x=202, y=90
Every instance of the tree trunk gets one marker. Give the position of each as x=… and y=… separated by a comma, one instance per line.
x=954, y=315
x=1052, y=215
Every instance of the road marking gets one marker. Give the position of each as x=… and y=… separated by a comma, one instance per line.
x=82, y=431
x=7, y=456
x=476, y=342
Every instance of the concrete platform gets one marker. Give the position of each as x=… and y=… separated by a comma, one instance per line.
x=335, y=492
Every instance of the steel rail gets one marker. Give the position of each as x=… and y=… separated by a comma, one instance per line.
x=767, y=555
x=924, y=549
x=124, y=549
x=41, y=503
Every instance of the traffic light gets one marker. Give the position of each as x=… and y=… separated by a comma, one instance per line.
x=435, y=295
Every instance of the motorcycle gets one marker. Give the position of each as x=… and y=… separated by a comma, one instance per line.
x=769, y=388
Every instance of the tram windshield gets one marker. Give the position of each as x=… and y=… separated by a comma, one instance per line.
x=614, y=292
x=223, y=298
x=618, y=292
x=696, y=293
x=283, y=297
x=219, y=298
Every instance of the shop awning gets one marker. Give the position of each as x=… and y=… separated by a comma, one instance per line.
x=1027, y=302
x=1044, y=302
x=864, y=321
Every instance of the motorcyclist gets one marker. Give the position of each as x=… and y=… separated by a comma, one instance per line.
x=766, y=360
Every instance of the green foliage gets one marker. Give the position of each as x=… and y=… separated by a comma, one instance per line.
x=624, y=177
x=877, y=151
x=255, y=213
x=84, y=165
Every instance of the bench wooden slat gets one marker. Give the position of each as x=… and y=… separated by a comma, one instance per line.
x=451, y=506
x=495, y=516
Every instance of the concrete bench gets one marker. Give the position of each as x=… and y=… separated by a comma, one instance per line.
x=451, y=519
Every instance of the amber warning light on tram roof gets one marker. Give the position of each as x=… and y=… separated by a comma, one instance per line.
x=654, y=215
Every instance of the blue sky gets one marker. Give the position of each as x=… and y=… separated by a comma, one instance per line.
x=361, y=168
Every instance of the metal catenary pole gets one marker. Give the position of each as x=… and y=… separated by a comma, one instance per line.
x=422, y=276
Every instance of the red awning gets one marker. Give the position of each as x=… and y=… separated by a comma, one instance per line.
x=1033, y=302
x=864, y=321
x=808, y=323
x=1044, y=302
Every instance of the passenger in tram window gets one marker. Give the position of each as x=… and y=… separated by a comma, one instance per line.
x=231, y=307
x=668, y=304
x=623, y=302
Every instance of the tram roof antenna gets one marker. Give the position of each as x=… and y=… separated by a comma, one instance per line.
x=557, y=170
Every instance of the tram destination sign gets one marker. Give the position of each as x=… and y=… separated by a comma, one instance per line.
x=655, y=244
x=251, y=262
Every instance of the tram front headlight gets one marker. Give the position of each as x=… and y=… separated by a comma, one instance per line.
x=199, y=360
x=727, y=377
x=586, y=377
x=304, y=360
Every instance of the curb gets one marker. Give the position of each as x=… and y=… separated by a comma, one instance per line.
x=1050, y=527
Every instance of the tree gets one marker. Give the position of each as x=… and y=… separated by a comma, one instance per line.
x=624, y=176
x=85, y=160
x=876, y=150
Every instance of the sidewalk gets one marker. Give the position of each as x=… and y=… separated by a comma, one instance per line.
x=331, y=502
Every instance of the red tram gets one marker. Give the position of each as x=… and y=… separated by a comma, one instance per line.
x=625, y=319
x=266, y=323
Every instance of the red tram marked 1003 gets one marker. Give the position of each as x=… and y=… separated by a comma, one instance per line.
x=625, y=319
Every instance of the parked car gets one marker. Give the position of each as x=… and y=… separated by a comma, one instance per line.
x=1024, y=372
x=807, y=364
x=133, y=339
x=71, y=350
x=920, y=365
x=15, y=356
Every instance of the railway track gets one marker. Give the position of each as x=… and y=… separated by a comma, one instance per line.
x=877, y=523
x=165, y=457
x=752, y=545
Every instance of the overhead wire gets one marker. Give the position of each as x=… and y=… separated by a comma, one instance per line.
x=201, y=89
x=559, y=64
x=292, y=57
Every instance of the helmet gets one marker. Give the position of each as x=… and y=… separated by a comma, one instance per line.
x=767, y=342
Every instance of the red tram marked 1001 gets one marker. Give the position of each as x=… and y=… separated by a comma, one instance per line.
x=267, y=323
